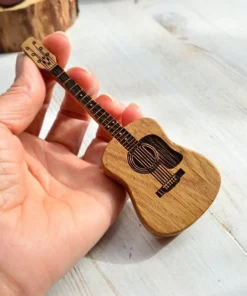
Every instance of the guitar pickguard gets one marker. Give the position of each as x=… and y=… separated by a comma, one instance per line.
x=169, y=157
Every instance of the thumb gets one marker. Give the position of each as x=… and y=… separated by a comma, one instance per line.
x=20, y=104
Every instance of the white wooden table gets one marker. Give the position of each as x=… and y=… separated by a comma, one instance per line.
x=185, y=63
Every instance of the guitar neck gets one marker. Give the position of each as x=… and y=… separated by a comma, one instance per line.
x=46, y=60
x=100, y=115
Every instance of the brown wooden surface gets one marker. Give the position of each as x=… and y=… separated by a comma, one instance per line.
x=34, y=17
x=177, y=209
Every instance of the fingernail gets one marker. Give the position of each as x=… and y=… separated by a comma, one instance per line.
x=61, y=33
x=136, y=107
x=19, y=64
x=134, y=104
x=87, y=71
x=114, y=100
x=109, y=97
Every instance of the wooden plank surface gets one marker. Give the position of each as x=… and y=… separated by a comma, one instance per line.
x=184, y=62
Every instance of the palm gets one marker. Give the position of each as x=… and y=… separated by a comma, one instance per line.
x=64, y=199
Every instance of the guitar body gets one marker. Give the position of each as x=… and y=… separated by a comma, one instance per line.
x=170, y=186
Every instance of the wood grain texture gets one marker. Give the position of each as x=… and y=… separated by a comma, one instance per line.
x=180, y=207
x=37, y=52
x=192, y=80
x=36, y=18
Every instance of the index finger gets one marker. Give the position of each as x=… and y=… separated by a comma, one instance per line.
x=59, y=45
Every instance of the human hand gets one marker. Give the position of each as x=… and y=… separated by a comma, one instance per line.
x=54, y=206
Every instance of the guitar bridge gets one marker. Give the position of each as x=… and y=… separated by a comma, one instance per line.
x=171, y=183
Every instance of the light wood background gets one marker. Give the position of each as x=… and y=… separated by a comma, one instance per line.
x=185, y=63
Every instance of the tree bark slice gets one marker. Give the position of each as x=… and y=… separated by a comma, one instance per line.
x=37, y=18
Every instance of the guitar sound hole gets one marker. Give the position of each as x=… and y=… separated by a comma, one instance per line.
x=144, y=159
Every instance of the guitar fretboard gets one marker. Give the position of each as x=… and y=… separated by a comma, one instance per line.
x=95, y=110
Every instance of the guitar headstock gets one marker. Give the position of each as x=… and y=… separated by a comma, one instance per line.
x=40, y=55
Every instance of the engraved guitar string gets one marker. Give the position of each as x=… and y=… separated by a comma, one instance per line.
x=51, y=63
x=164, y=171
x=139, y=153
x=151, y=159
x=160, y=168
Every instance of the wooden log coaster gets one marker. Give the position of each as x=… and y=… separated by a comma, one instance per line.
x=34, y=17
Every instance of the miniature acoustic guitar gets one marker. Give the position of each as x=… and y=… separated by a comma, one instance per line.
x=170, y=186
